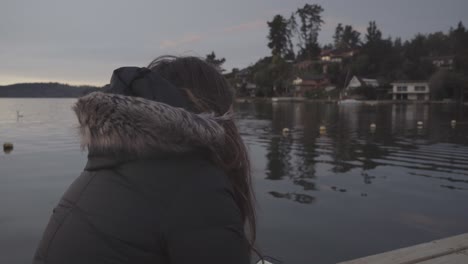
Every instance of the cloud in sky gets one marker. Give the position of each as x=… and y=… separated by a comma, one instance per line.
x=253, y=25
x=187, y=39
x=83, y=41
x=191, y=38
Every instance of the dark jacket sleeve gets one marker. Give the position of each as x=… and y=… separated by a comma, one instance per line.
x=205, y=226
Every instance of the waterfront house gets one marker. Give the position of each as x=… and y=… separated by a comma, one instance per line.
x=304, y=65
x=251, y=88
x=242, y=75
x=246, y=88
x=410, y=90
x=442, y=62
x=356, y=82
x=337, y=55
x=307, y=83
x=242, y=83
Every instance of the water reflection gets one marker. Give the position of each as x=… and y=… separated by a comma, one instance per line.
x=348, y=181
x=333, y=178
x=296, y=197
x=413, y=139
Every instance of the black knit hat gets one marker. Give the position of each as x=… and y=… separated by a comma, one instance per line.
x=144, y=83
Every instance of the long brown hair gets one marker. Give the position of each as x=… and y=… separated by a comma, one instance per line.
x=209, y=91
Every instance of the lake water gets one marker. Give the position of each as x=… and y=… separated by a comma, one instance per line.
x=324, y=195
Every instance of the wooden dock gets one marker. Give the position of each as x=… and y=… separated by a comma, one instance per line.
x=452, y=250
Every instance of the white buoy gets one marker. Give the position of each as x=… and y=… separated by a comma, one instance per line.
x=453, y=124
x=420, y=123
x=373, y=127
x=323, y=130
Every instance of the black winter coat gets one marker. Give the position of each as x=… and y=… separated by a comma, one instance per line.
x=148, y=194
x=166, y=210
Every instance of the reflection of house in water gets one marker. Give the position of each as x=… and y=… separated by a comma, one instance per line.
x=350, y=116
x=292, y=157
x=411, y=90
x=300, y=164
x=280, y=147
x=406, y=116
x=288, y=156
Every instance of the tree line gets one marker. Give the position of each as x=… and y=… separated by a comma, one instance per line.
x=295, y=39
x=48, y=90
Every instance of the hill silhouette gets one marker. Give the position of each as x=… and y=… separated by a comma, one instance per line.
x=46, y=90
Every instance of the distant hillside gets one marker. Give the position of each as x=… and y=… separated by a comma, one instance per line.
x=46, y=90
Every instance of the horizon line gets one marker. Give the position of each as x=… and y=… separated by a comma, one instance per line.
x=51, y=81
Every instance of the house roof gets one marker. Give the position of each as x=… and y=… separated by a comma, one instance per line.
x=447, y=57
x=311, y=77
x=364, y=81
x=409, y=81
x=243, y=72
x=306, y=63
x=367, y=80
x=336, y=52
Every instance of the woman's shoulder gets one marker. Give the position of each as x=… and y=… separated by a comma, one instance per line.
x=198, y=175
x=177, y=173
x=205, y=197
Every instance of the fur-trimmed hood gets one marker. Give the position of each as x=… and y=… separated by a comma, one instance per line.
x=137, y=126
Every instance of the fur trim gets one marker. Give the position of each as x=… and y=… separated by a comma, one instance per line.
x=117, y=123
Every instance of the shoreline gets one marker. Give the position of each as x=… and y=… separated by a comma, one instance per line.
x=336, y=101
x=291, y=100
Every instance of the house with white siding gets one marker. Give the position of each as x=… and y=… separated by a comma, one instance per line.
x=410, y=90
x=356, y=82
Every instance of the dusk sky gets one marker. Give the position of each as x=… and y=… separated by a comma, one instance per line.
x=81, y=42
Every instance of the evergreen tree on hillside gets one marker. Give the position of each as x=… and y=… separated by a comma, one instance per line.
x=310, y=17
x=280, y=36
x=374, y=35
x=459, y=45
x=211, y=58
x=338, y=35
x=346, y=37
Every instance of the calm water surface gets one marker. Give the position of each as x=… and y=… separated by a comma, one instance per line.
x=323, y=195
